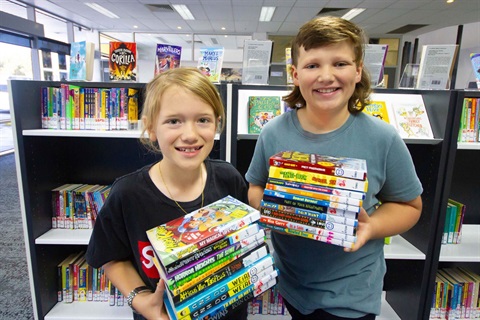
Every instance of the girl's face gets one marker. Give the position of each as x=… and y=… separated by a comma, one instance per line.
x=185, y=129
x=327, y=76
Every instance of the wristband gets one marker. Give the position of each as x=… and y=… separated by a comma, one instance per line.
x=133, y=294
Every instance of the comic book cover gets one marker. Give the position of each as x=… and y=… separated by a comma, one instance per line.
x=123, y=61
x=187, y=234
x=167, y=57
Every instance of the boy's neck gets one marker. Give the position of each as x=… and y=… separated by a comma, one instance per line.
x=320, y=123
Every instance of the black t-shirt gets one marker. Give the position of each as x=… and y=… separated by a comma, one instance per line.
x=135, y=205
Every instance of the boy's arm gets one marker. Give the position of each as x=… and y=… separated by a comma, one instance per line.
x=255, y=195
x=391, y=218
x=126, y=278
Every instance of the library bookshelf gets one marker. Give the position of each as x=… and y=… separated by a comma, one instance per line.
x=46, y=159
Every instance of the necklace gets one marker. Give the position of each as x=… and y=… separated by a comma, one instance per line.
x=170, y=194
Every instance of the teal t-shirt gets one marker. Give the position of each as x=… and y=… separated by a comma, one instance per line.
x=315, y=275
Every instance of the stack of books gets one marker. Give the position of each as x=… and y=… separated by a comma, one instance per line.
x=314, y=196
x=212, y=260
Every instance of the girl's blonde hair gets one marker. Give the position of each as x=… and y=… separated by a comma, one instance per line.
x=190, y=79
x=324, y=31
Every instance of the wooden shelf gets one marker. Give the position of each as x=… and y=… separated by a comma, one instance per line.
x=466, y=251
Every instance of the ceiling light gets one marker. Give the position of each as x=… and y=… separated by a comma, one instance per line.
x=183, y=11
x=450, y=1
x=266, y=14
x=352, y=13
x=102, y=10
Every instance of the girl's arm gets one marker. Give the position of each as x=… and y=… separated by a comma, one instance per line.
x=391, y=218
x=125, y=278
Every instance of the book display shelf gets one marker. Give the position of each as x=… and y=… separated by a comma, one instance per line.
x=46, y=159
x=412, y=257
x=465, y=188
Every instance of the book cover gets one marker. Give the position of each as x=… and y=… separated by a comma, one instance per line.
x=335, y=166
x=262, y=109
x=82, y=56
x=377, y=109
x=199, y=228
x=167, y=57
x=411, y=119
x=475, y=59
x=122, y=61
x=210, y=63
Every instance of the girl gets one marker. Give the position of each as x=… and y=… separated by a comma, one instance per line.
x=318, y=280
x=182, y=113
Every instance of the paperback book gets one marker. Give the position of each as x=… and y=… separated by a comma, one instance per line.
x=122, y=61
x=261, y=110
x=378, y=109
x=335, y=166
x=167, y=57
x=81, y=61
x=411, y=119
x=185, y=235
x=210, y=63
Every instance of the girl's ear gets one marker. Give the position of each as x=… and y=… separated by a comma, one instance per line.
x=358, y=76
x=148, y=129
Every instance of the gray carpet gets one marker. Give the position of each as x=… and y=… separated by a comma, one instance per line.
x=15, y=300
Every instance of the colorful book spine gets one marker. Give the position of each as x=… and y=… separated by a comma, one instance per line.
x=313, y=207
x=334, y=166
x=230, y=239
x=300, y=227
x=315, y=195
x=317, y=202
x=316, y=188
x=213, y=258
x=216, y=277
x=330, y=239
x=226, y=288
x=210, y=268
x=254, y=254
x=318, y=179
x=309, y=213
x=313, y=222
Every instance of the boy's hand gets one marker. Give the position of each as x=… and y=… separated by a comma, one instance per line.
x=364, y=231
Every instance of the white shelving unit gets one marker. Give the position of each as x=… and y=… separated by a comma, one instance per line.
x=466, y=251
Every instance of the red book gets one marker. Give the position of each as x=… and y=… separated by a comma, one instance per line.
x=329, y=165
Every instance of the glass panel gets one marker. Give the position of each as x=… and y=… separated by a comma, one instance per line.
x=15, y=8
x=233, y=45
x=15, y=63
x=55, y=28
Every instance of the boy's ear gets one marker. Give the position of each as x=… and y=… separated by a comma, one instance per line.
x=295, y=75
x=358, y=76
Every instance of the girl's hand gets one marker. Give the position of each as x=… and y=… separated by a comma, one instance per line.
x=150, y=305
x=364, y=231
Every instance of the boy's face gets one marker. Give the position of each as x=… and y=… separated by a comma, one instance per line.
x=327, y=76
x=185, y=129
